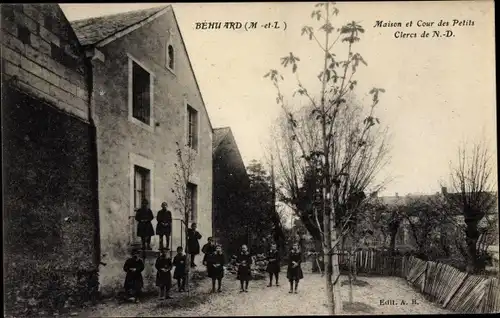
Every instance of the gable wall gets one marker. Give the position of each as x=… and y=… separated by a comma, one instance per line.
x=120, y=140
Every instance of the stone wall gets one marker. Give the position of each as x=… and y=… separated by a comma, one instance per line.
x=50, y=207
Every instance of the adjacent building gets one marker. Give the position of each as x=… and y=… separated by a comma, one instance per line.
x=230, y=187
x=50, y=160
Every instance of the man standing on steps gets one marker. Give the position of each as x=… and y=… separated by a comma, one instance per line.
x=145, y=230
x=164, y=226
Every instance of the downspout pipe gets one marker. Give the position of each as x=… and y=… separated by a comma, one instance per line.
x=91, y=54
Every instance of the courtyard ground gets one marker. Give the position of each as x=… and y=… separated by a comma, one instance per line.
x=276, y=301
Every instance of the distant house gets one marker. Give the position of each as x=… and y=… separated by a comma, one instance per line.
x=230, y=185
x=404, y=237
x=145, y=100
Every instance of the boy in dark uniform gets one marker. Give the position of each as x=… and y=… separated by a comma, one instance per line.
x=163, y=276
x=294, y=272
x=144, y=228
x=180, y=261
x=215, y=267
x=164, y=226
x=133, y=280
x=273, y=265
x=193, y=246
x=207, y=250
x=244, y=262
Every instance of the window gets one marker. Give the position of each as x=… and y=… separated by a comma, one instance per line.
x=170, y=57
x=192, y=127
x=24, y=34
x=141, y=185
x=141, y=93
x=191, y=199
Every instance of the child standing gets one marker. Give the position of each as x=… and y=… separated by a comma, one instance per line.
x=207, y=250
x=215, y=267
x=163, y=276
x=273, y=265
x=193, y=244
x=164, y=226
x=145, y=230
x=294, y=273
x=244, y=262
x=180, y=269
x=133, y=280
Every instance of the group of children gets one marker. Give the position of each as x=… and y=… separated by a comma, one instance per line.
x=215, y=261
x=145, y=229
x=164, y=264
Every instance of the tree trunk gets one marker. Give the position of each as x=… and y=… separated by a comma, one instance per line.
x=318, y=259
x=472, y=235
x=393, y=242
x=188, y=255
x=327, y=255
x=355, y=267
x=351, y=271
x=335, y=261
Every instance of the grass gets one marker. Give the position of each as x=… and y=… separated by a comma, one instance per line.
x=357, y=307
x=355, y=282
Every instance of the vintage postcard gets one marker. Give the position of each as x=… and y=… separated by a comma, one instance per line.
x=244, y=159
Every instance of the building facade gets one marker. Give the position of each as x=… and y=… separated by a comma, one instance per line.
x=147, y=105
x=93, y=115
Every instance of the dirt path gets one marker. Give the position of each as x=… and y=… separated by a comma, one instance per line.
x=276, y=301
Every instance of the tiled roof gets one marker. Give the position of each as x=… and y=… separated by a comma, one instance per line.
x=218, y=137
x=93, y=30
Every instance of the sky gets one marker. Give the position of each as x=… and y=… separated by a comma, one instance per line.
x=439, y=91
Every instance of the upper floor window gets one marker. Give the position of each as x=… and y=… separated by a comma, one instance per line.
x=192, y=127
x=170, y=57
x=141, y=97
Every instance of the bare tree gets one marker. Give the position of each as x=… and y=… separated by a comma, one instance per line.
x=300, y=179
x=182, y=178
x=472, y=194
x=336, y=78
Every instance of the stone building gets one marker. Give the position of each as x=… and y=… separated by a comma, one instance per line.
x=93, y=111
x=146, y=100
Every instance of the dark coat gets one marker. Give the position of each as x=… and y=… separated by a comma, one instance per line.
x=133, y=280
x=273, y=265
x=207, y=249
x=144, y=228
x=163, y=278
x=180, y=266
x=216, y=259
x=294, y=273
x=193, y=246
x=164, y=226
x=244, y=262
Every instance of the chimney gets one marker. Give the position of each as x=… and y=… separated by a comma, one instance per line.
x=397, y=195
x=444, y=191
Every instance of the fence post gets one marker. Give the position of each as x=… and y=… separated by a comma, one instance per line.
x=425, y=277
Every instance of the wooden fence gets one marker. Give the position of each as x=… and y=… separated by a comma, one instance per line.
x=438, y=282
